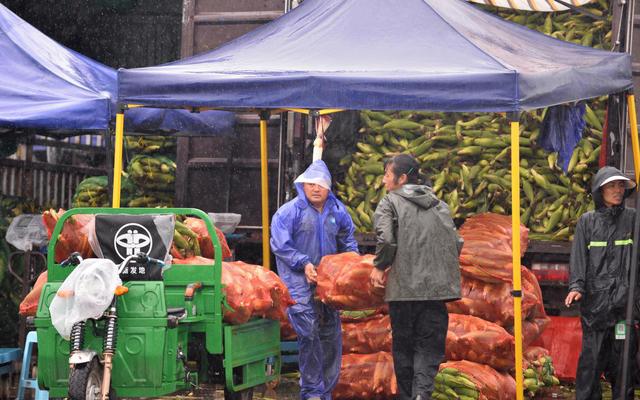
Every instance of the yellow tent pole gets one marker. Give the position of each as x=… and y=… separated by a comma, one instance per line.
x=515, y=228
x=117, y=159
x=266, y=256
x=633, y=121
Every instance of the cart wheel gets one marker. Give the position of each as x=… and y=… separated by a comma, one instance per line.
x=246, y=394
x=85, y=381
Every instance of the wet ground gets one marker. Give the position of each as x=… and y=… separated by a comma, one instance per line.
x=286, y=389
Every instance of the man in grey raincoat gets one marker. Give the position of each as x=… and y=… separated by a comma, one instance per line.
x=418, y=242
x=600, y=264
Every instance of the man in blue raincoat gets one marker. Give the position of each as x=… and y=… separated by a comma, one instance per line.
x=305, y=229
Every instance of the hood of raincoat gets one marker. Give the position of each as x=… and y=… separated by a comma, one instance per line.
x=420, y=195
x=603, y=174
x=317, y=173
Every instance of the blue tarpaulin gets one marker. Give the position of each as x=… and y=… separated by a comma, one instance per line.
x=444, y=55
x=46, y=86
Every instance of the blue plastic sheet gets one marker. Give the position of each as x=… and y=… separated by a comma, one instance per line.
x=562, y=130
x=444, y=55
x=46, y=86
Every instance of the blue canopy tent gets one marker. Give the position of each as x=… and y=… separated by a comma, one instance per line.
x=45, y=86
x=388, y=55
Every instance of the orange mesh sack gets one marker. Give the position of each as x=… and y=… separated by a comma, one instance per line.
x=73, y=236
x=466, y=378
x=474, y=339
x=249, y=289
x=204, y=240
x=486, y=253
x=493, y=301
x=29, y=304
x=343, y=282
x=368, y=336
x=366, y=376
x=538, y=321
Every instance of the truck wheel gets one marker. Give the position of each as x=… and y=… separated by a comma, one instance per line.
x=85, y=381
x=246, y=394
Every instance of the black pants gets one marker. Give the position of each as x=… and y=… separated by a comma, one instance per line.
x=602, y=353
x=419, y=330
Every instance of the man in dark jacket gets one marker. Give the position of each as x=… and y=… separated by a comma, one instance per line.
x=418, y=242
x=600, y=264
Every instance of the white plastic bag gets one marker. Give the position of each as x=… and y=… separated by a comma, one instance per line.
x=86, y=293
x=27, y=231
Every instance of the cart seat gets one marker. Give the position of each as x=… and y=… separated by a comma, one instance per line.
x=123, y=235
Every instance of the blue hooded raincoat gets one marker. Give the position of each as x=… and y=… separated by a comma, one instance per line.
x=301, y=235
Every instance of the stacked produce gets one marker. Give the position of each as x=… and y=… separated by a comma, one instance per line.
x=73, y=237
x=480, y=332
x=568, y=26
x=151, y=144
x=474, y=339
x=198, y=227
x=366, y=376
x=187, y=237
x=486, y=253
x=155, y=177
x=366, y=335
x=469, y=380
x=94, y=192
x=538, y=369
x=467, y=155
x=343, y=282
x=250, y=291
x=467, y=158
x=486, y=291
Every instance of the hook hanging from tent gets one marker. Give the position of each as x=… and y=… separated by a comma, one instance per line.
x=320, y=124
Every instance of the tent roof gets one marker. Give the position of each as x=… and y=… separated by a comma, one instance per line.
x=44, y=85
x=384, y=54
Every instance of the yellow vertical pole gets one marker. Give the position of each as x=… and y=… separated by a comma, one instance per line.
x=633, y=121
x=266, y=255
x=515, y=228
x=117, y=159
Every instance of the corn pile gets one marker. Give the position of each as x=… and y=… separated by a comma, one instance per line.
x=540, y=373
x=151, y=144
x=155, y=176
x=94, y=192
x=568, y=26
x=453, y=384
x=185, y=242
x=467, y=158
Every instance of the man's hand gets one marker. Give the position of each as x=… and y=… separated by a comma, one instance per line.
x=377, y=278
x=574, y=295
x=310, y=273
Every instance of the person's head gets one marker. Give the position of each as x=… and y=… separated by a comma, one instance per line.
x=400, y=170
x=610, y=187
x=315, y=184
x=316, y=194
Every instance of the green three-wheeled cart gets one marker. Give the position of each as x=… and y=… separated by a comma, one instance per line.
x=170, y=332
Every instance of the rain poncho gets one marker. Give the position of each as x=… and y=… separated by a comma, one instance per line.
x=600, y=262
x=417, y=238
x=601, y=257
x=301, y=235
